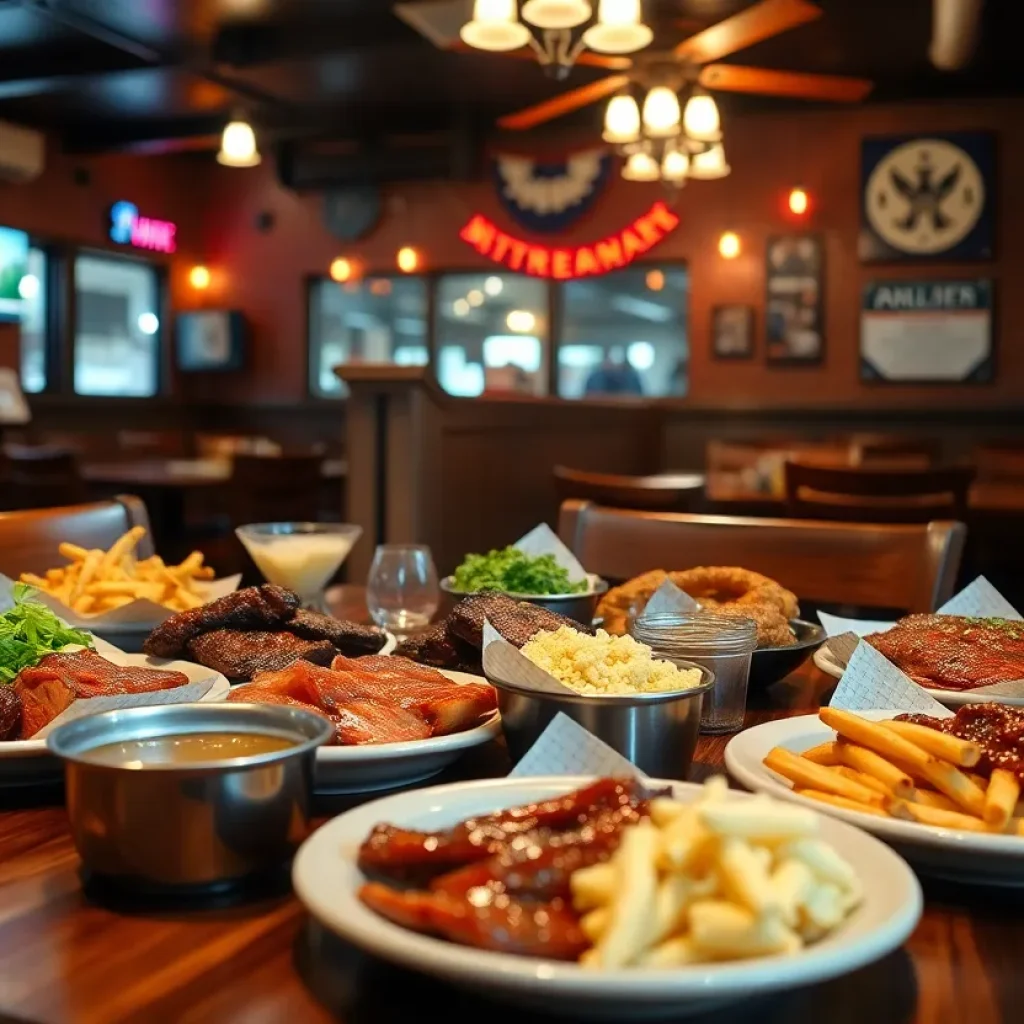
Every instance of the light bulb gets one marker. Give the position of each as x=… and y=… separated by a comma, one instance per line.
x=238, y=145
x=556, y=13
x=729, y=245
x=493, y=285
x=674, y=166
x=618, y=29
x=710, y=165
x=341, y=270
x=408, y=259
x=655, y=280
x=495, y=27
x=661, y=112
x=475, y=297
x=460, y=307
x=522, y=321
x=199, y=277
x=621, y=120
x=799, y=202
x=701, y=120
x=641, y=167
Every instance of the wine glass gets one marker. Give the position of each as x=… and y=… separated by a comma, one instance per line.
x=402, y=592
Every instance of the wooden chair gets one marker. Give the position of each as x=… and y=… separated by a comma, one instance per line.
x=668, y=492
x=29, y=539
x=887, y=451
x=913, y=568
x=1000, y=462
x=877, y=495
x=41, y=477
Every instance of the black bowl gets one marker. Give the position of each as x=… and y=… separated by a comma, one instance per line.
x=770, y=664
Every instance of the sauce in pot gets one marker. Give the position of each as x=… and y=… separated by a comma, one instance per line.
x=186, y=748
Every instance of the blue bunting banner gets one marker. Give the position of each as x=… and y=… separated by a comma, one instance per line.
x=545, y=195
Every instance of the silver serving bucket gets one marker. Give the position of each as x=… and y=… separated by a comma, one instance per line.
x=656, y=731
x=578, y=607
x=195, y=825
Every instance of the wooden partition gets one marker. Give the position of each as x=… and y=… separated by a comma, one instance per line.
x=471, y=474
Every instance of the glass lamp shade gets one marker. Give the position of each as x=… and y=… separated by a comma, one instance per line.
x=675, y=166
x=495, y=27
x=701, y=120
x=710, y=165
x=618, y=29
x=641, y=167
x=621, y=121
x=238, y=146
x=556, y=13
x=661, y=113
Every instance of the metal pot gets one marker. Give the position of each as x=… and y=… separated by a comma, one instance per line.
x=578, y=607
x=656, y=731
x=200, y=824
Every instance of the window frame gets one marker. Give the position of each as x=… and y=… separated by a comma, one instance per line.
x=53, y=285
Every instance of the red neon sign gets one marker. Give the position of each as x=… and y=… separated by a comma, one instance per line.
x=568, y=262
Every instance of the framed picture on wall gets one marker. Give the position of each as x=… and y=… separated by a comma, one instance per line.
x=795, y=303
x=732, y=332
x=210, y=339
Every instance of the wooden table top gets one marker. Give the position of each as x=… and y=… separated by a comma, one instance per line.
x=66, y=955
x=184, y=473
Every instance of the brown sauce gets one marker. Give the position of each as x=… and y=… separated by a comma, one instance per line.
x=186, y=748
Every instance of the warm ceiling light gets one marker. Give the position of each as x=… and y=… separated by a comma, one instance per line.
x=661, y=112
x=701, y=119
x=621, y=121
x=641, y=167
x=460, y=307
x=199, y=278
x=341, y=270
x=495, y=27
x=475, y=297
x=710, y=165
x=238, y=145
x=493, y=285
x=408, y=259
x=674, y=166
x=655, y=280
x=729, y=245
x=522, y=321
x=799, y=202
x=619, y=28
x=556, y=13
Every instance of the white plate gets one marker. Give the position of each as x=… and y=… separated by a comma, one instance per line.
x=326, y=879
x=963, y=856
x=374, y=766
x=28, y=761
x=824, y=659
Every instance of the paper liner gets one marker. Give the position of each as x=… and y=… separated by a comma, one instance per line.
x=669, y=599
x=503, y=663
x=566, y=748
x=542, y=540
x=872, y=682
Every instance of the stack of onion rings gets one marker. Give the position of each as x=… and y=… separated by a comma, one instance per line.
x=729, y=590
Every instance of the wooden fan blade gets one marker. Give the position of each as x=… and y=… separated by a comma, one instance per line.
x=762, y=21
x=587, y=57
x=564, y=104
x=734, y=78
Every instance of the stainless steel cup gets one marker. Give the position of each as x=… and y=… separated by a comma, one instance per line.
x=198, y=824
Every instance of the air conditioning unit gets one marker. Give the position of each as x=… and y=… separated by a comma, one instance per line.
x=22, y=153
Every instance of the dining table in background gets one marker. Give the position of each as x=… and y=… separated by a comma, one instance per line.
x=90, y=956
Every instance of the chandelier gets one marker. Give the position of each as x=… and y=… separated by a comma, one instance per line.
x=665, y=140
x=557, y=30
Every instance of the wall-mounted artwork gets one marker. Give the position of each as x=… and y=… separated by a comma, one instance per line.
x=927, y=197
x=794, y=308
x=210, y=339
x=732, y=332
x=927, y=331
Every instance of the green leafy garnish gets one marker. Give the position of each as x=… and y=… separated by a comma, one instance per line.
x=29, y=631
x=511, y=571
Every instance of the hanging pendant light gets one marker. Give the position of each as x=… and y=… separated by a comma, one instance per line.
x=621, y=121
x=700, y=118
x=641, y=167
x=710, y=165
x=238, y=145
x=556, y=13
x=661, y=113
x=619, y=28
x=675, y=166
x=495, y=27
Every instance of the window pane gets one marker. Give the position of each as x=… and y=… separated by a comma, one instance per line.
x=377, y=320
x=33, y=322
x=117, y=327
x=492, y=334
x=625, y=333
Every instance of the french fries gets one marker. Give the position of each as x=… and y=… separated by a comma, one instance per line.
x=718, y=879
x=903, y=770
x=94, y=581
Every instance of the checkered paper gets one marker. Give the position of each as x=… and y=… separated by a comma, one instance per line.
x=669, y=599
x=872, y=682
x=566, y=748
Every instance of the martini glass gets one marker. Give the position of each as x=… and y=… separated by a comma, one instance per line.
x=300, y=556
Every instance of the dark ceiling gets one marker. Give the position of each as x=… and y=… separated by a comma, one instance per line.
x=159, y=75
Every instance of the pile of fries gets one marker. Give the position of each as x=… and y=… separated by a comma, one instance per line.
x=717, y=879
x=98, y=581
x=902, y=770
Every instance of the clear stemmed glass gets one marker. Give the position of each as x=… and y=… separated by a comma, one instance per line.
x=401, y=591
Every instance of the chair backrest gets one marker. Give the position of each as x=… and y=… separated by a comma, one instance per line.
x=40, y=477
x=883, y=566
x=892, y=495
x=29, y=539
x=278, y=488
x=893, y=451
x=1000, y=462
x=670, y=492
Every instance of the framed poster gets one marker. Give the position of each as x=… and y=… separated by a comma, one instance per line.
x=927, y=197
x=210, y=340
x=794, y=317
x=732, y=332
x=927, y=331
